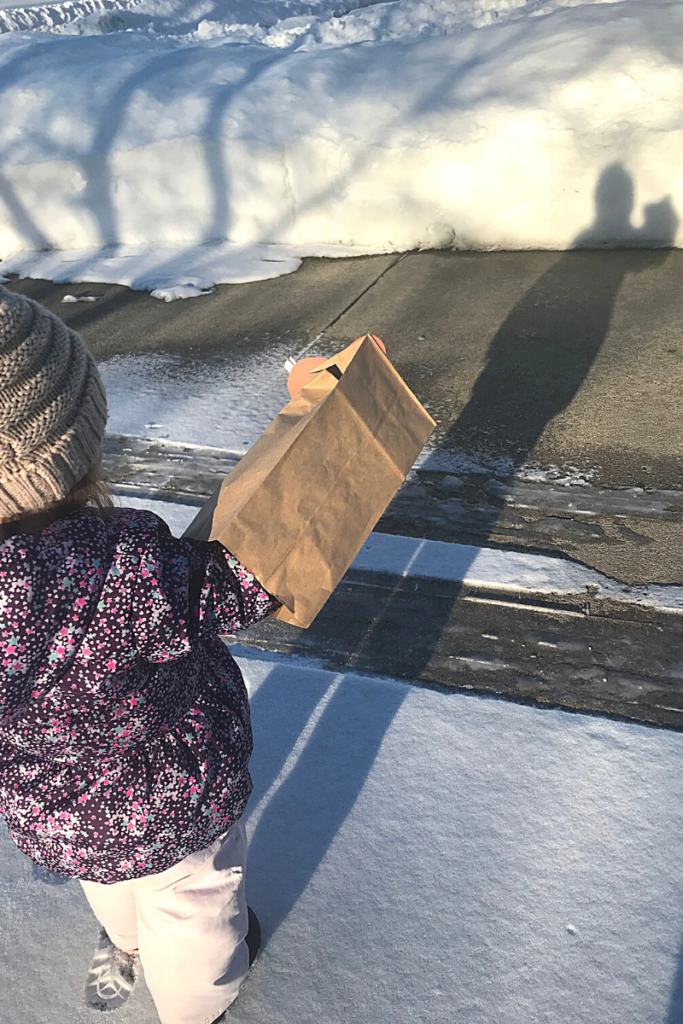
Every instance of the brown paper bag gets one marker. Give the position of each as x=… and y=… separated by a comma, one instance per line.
x=301, y=503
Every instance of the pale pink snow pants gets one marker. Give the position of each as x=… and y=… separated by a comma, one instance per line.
x=189, y=924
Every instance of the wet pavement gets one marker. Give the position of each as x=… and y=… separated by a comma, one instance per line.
x=556, y=380
x=558, y=359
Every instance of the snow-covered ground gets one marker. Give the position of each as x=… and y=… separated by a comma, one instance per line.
x=417, y=856
x=201, y=141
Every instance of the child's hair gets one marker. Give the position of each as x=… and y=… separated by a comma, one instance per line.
x=89, y=493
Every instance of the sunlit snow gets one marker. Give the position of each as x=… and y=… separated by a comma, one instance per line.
x=417, y=856
x=200, y=141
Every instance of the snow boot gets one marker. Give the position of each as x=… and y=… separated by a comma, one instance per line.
x=111, y=978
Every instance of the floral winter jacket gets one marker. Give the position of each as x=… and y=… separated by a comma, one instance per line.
x=124, y=721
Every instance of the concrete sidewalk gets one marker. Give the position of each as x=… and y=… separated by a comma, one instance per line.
x=554, y=359
x=560, y=359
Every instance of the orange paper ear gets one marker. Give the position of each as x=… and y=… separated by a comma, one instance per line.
x=300, y=374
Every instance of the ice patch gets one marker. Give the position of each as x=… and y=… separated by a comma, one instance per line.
x=442, y=460
x=212, y=403
x=568, y=476
x=180, y=291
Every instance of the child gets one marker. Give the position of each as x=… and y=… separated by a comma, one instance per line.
x=124, y=721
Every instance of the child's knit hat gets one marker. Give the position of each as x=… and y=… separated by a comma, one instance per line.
x=53, y=408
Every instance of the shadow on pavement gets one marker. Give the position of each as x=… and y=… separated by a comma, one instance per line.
x=544, y=349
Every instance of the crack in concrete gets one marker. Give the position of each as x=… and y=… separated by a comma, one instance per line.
x=350, y=305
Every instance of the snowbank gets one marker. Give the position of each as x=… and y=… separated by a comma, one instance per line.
x=170, y=129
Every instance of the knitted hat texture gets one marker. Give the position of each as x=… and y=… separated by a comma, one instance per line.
x=53, y=409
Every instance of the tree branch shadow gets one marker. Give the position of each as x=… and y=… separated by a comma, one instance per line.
x=23, y=221
x=459, y=86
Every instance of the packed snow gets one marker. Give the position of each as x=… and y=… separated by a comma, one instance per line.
x=417, y=856
x=494, y=570
x=174, y=144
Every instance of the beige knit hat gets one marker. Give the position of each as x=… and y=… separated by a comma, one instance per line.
x=53, y=409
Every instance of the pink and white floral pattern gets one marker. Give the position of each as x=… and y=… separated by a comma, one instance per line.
x=124, y=721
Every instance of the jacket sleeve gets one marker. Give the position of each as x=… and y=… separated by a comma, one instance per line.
x=186, y=591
